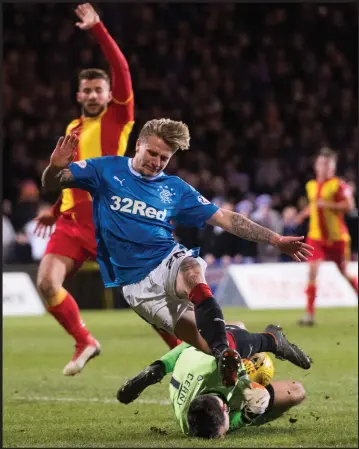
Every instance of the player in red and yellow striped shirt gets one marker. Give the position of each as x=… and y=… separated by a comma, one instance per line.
x=329, y=199
x=103, y=129
x=104, y=126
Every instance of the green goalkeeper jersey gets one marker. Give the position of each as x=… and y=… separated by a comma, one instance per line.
x=195, y=373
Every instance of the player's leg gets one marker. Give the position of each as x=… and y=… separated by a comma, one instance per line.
x=176, y=319
x=353, y=280
x=51, y=274
x=191, y=284
x=186, y=329
x=311, y=290
x=171, y=340
x=156, y=300
x=284, y=394
x=271, y=340
x=53, y=270
x=341, y=256
x=60, y=303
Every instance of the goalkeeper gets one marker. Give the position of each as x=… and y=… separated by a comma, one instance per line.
x=202, y=405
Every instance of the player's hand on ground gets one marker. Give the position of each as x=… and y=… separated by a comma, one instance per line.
x=65, y=152
x=295, y=248
x=45, y=221
x=87, y=15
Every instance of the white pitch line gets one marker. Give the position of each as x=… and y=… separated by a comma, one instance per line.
x=97, y=400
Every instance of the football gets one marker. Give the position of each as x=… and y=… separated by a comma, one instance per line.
x=259, y=368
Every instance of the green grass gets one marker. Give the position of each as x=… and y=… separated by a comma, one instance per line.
x=42, y=408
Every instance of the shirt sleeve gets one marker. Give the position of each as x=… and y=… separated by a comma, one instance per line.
x=236, y=421
x=344, y=191
x=121, y=78
x=194, y=209
x=307, y=187
x=170, y=358
x=86, y=174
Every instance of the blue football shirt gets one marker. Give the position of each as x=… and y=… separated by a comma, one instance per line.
x=133, y=215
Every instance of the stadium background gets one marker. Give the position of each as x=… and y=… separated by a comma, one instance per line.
x=261, y=87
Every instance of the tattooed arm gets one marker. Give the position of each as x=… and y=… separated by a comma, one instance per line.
x=56, y=174
x=54, y=179
x=242, y=227
x=50, y=179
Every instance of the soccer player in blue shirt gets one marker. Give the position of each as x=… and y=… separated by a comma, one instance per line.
x=134, y=207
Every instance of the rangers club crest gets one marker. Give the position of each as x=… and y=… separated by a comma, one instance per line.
x=166, y=194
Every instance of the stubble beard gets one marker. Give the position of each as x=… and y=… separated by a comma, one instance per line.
x=87, y=113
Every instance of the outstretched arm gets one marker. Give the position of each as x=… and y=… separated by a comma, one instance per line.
x=53, y=179
x=46, y=218
x=56, y=174
x=121, y=78
x=50, y=181
x=303, y=214
x=242, y=227
x=151, y=375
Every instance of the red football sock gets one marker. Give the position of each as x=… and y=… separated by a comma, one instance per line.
x=171, y=340
x=231, y=341
x=354, y=282
x=311, y=293
x=200, y=293
x=67, y=313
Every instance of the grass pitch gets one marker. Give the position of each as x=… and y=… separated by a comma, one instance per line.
x=42, y=408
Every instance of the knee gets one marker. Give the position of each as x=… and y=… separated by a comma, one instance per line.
x=46, y=286
x=190, y=265
x=297, y=393
x=190, y=274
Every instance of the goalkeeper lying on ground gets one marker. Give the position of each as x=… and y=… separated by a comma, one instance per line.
x=202, y=405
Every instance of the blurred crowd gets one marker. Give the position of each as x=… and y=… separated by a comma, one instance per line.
x=262, y=88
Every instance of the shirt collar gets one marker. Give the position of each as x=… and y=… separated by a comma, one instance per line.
x=135, y=173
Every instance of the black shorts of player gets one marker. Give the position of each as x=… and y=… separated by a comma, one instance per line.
x=249, y=343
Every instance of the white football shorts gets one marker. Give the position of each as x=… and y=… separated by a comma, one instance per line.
x=155, y=298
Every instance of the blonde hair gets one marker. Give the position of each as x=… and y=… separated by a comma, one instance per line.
x=174, y=134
